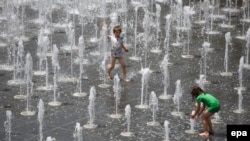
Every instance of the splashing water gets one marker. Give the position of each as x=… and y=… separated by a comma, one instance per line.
x=247, y=65
x=81, y=46
x=7, y=125
x=176, y=98
x=50, y=139
x=228, y=40
x=40, y=116
x=78, y=132
x=153, y=104
x=144, y=89
x=42, y=44
x=102, y=72
x=128, y=118
x=240, y=72
x=217, y=119
x=17, y=63
x=200, y=82
x=135, y=57
x=240, y=98
x=166, y=127
x=205, y=47
x=29, y=85
x=192, y=125
x=117, y=95
x=91, y=109
x=157, y=26
x=56, y=67
x=164, y=67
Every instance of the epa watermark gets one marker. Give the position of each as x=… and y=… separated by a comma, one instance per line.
x=238, y=132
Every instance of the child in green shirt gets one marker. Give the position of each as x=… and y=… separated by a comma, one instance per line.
x=207, y=105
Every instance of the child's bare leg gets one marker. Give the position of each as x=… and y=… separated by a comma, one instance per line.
x=206, y=123
x=112, y=65
x=210, y=127
x=123, y=65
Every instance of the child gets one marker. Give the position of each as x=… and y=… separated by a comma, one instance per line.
x=117, y=52
x=212, y=105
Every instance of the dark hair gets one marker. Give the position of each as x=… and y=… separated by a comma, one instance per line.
x=118, y=27
x=196, y=91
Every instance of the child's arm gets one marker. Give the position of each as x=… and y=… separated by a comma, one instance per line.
x=199, y=109
x=125, y=49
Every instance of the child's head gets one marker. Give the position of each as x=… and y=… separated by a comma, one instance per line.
x=196, y=91
x=117, y=30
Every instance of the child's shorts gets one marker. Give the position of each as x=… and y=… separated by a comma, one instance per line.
x=213, y=109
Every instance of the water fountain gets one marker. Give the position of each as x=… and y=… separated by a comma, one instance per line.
x=40, y=116
x=102, y=43
x=228, y=40
x=135, y=57
x=240, y=98
x=178, y=17
x=22, y=36
x=81, y=45
x=187, y=46
x=211, y=31
x=8, y=125
x=43, y=45
x=18, y=52
x=203, y=69
x=203, y=11
x=70, y=32
x=157, y=26
x=200, y=82
x=124, y=21
x=55, y=94
x=147, y=36
x=43, y=8
x=127, y=133
x=246, y=64
x=102, y=71
x=94, y=39
x=81, y=60
x=246, y=11
x=91, y=109
x=176, y=98
x=229, y=8
x=228, y=25
x=8, y=66
x=20, y=68
x=117, y=95
x=50, y=139
x=166, y=127
x=153, y=104
x=187, y=12
x=242, y=36
x=29, y=84
x=168, y=29
x=216, y=119
x=78, y=132
x=55, y=62
x=217, y=15
x=240, y=72
x=192, y=126
x=167, y=52
x=144, y=88
x=164, y=68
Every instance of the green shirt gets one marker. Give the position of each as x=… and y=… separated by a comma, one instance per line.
x=210, y=101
